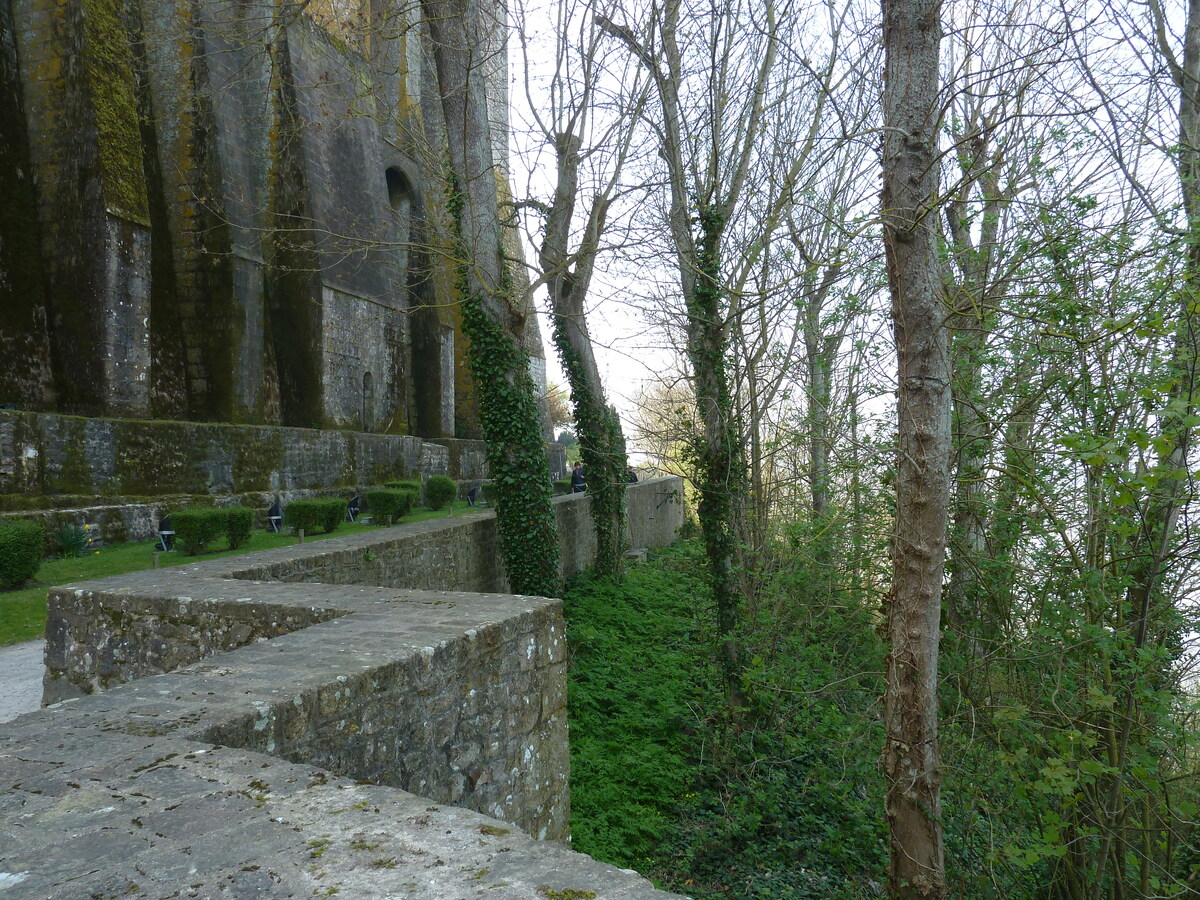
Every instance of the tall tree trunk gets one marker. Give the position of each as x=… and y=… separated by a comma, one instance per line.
x=492, y=318
x=912, y=35
x=568, y=277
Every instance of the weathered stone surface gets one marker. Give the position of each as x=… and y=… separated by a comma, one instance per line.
x=242, y=773
x=104, y=633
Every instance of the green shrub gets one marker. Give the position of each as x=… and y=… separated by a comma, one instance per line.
x=303, y=514
x=196, y=527
x=440, y=490
x=313, y=514
x=414, y=486
x=71, y=540
x=238, y=522
x=21, y=548
x=334, y=513
x=391, y=504
x=562, y=486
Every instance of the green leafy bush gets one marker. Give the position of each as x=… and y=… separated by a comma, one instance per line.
x=439, y=491
x=414, y=486
x=196, y=527
x=312, y=514
x=562, y=486
x=238, y=522
x=391, y=504
x=334, y=513
x=71, y=540
x=303, y=515
x=21, y=547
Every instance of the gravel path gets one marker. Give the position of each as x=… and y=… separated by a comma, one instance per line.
x=20, y=679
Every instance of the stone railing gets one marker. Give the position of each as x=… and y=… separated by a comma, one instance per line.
x=305, y=672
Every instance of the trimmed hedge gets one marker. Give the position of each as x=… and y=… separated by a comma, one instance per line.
x=391, y=504
x=239, y=520
x=313, y=514
x=439, y=490
x=195, y=527
x=21, y=550
x=414, y=486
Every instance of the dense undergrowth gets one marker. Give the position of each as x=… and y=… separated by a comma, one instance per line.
x=784, y=804
x=785, y=801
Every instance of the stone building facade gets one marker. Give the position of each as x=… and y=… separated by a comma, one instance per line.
x=229, y=211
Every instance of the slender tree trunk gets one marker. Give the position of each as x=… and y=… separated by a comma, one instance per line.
x=1153, y=549
x=492, y=318
x=912, y=35
x=601, y=440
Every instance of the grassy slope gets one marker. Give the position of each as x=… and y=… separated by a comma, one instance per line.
x=783, y=805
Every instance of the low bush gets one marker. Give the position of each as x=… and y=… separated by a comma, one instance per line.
x=21, y=548
x=71, y=540
x=239, y=520
x=414, y=486
x=313, y=514
x=334, y=513
x=391, y=504
x=562, y=486
x=439, y=491
x=196, y=527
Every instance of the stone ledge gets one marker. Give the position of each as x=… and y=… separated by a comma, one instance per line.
x=242, y=773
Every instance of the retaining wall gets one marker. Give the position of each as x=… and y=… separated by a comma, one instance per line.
x=240, y=773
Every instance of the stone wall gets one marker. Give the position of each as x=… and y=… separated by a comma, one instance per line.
x=134, y=627
x=230, y=210
x=243, y=772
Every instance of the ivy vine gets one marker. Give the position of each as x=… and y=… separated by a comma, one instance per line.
x=602, y=445
x=516, y=452
x=716, y=452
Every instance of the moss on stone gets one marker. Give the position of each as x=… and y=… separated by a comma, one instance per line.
x=155, y=457
x=108, y=67
x=257, y=455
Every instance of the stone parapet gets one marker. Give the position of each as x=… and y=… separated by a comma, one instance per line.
x=108, y=632
x=224, y=719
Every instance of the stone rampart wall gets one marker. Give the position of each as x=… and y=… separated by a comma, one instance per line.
x=243, y=772
x=98, y=638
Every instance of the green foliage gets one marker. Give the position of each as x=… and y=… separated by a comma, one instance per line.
x=601, y=447
x=239, y=520
x=636, y=672
x=414, y=486
x=196, y=527
x=21, y=551
x=325, y=514
x=71, y=540
x=784, y=804
x=389, y=505
x=516, y=454
x=562, y=486
x=439, y=491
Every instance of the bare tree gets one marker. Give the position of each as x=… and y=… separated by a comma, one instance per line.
x=912, y=35
x=584, y=124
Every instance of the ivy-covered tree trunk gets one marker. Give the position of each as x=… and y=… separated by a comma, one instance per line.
x=492, y=317
x=568, y=276
x=718, y=458
x=912, y=770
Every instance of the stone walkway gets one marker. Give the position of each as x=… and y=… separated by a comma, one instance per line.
x=20, y=679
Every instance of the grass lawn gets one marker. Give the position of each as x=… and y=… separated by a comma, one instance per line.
x=23, y=611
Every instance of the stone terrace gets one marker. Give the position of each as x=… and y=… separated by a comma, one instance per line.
x=359, y=751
